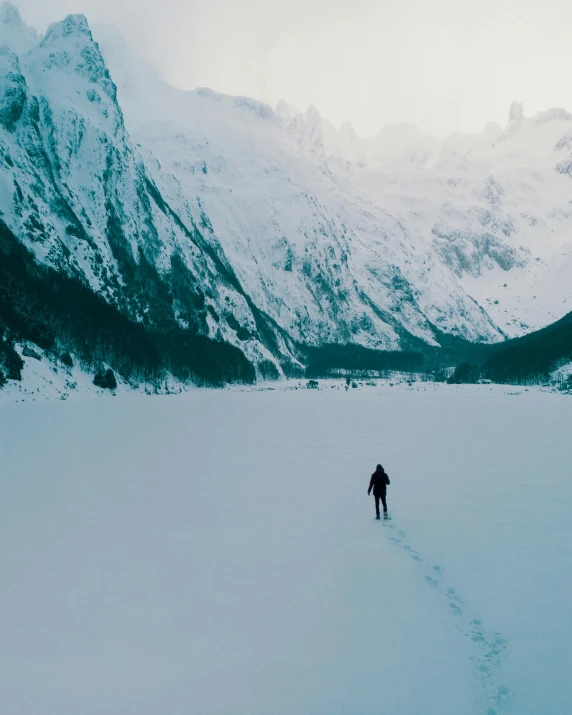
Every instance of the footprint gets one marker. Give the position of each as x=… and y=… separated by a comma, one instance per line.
x=414, y=554
x=488, y=649
x=502, y=694
x=496, y=647
x=455, y=609
x=501, y=698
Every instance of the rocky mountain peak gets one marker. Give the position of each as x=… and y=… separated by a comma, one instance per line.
x=68, y=47
x=69, y=26
x=516, y=112
x=10, y=15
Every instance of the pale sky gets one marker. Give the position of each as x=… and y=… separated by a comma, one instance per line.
x=445, y=65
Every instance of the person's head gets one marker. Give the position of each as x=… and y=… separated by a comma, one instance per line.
x=379, y=468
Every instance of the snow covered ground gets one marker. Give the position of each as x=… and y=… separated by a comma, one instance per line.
x=215, y=553
x=46, y=379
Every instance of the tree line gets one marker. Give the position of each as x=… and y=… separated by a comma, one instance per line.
x=62, y=315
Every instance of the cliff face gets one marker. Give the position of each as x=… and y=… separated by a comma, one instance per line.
x=77, y=195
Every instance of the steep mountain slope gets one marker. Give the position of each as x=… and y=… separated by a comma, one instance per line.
x=77, y=195
x=533, y=357
x=326, y=263
x=475, y=229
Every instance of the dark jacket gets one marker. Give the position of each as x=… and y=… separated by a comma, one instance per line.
x=378, y=482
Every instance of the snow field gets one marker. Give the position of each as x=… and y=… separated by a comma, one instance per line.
x=216, y=553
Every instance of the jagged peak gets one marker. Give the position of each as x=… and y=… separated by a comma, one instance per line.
x=516, y=112
x=10, y=15
x=283, y=109
x=68, y=47
x=305, y=128
x=313, y=112
x=69, y=26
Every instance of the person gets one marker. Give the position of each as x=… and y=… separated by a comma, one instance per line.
x=378, y=482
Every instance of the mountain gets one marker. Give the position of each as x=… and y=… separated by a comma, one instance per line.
x=79, y=199
x=225, y=233
x=455, y=219
x=533, y=357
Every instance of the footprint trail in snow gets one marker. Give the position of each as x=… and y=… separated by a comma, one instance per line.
x=489, y=648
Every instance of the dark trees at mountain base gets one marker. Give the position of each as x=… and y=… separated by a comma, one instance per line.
x=61, y=314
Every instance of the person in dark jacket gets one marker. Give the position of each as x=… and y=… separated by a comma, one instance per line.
x=378, y=482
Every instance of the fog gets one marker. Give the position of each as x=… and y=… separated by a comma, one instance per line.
x=448, y=65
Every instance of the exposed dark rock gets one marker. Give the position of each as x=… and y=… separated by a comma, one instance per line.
x=31, y=353
x=105, y=379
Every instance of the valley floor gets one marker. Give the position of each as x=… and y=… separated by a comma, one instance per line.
x=216, y=553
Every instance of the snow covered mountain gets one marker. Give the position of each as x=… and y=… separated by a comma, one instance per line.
x=75, y=191
x=268, y=230
x=453, y=220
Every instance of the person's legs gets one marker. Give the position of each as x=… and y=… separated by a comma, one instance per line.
x=376, y=505
x=383, y=501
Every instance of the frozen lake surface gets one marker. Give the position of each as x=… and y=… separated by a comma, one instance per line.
x=216, y=553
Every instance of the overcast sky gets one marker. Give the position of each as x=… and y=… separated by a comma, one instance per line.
x=445, y=65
